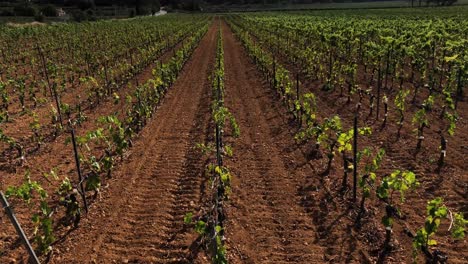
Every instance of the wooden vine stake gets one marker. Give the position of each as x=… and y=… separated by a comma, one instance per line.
x=355, y=136
x=77, y=161
x=274, y=73
x=297, y=98
x=443, y=151
x=219, y=157
x=52, y=88
x=9, y=211
x=379, y=84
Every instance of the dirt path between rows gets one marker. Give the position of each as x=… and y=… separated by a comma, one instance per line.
x=279, y=210
x=58, y=156
x=332, y=207
x=266, y=222
x=140, y=217
x=330, y=213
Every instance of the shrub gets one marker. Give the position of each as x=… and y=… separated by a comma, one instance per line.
x=91, y=15
x=49, y=10
x=78, y=15
x=39, y=17
x=24, y=9
x=7, y=13
x=85, y=4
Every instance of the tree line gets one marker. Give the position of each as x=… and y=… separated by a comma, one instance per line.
x=196, y=4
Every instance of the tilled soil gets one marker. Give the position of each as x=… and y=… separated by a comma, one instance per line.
x=450, y=183
x=58, y=156
x=266, y=223
x=19, y=126
x=333, y=213
x=140, y=218
x=280, y=210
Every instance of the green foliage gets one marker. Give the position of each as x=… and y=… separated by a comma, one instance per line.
x=220, y=257
x=205, y=148
x=26, y=190
x=459, y=225
x=221, y=115
x=345, y=138
x=188, y=218
x=400, y=103
x=93, y=182
x=452, y=122
x=43, y=229
x=116, y=132
x=65, y=188
x=228, y=151
x=199, y=226
x=420, y=118
x=435, y=212
x=224, y=176
x=35, y=126
x=328, y=131
x=448, y=100
x=7, y=139
x=49, y=11
x=428, y=103
x=372, y=164
x=50, y=175
x=235, y=126
x=397, y=181
x=221, y=176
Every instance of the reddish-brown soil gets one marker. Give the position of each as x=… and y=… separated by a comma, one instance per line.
x=59, y=156
x=56, y=153
x=334, y=214
x=18, y=126
x=267, y=222
x=451, y=183
x=140, y=218
x=281, y=209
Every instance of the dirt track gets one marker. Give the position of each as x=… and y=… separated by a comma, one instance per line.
x=140, y=219
x=58, y=156
x=332, y=214
x=268, y=221
x=279, y=210
x=162, y=179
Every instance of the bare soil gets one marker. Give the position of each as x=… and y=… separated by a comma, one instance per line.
x=268, y=221
x=282, y=209
x=334, y=214
x=59, y=156
x=140, y=216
